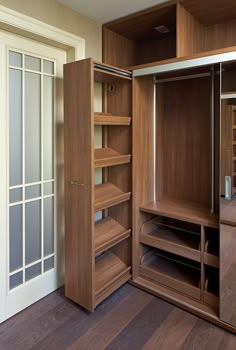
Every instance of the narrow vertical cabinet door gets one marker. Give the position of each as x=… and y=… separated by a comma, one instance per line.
x=79, y=182
x=228, y=274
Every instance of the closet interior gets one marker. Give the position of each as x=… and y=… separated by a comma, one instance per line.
x=164, y=215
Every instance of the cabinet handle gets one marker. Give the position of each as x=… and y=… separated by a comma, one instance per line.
x=76, y=183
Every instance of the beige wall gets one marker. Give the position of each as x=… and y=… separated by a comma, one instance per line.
x=57, y=15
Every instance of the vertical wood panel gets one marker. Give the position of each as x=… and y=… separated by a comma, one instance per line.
x=79, y=200
x=190, y=33
x=143, y=142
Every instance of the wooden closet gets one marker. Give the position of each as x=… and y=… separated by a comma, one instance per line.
x=167, y=203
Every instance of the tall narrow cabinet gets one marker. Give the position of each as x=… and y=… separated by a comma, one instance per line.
x=97, y=253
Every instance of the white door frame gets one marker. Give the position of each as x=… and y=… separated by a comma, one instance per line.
x=75, y=47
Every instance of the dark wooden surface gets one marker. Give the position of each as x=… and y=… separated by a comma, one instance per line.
x=129, y=319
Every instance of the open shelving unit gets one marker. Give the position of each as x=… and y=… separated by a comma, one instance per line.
x=97, y=257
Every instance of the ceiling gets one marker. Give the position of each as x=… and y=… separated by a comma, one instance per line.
x=107, y=10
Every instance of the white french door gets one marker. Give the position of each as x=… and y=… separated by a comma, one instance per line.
x=31, y=172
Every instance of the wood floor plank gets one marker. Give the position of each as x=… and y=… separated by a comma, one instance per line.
x=172, y=332
x=76, y=326
x=228, y=342
x=99, y=336
x=136, y=334
x=204, y=336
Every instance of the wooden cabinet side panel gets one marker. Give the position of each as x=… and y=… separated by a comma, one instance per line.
x=226, y=145
x=190, y=33
x=79, y=226
x=143, y=157
x=117, y=50
x=228, y=274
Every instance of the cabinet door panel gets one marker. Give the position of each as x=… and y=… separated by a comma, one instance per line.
x=228, y=274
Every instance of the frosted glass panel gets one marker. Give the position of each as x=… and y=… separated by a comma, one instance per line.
x=32, y=128
x=48, y=226
x=16, y=280
x=48, y=188
x=32, y=272
x=33, y=63
x=32, y=192
x=16, y=245
x=32, y=231
x=15, y=59
x=48, y=67
x=15, y=127
x=15, y=195
x=49, y=264
x=48, y=127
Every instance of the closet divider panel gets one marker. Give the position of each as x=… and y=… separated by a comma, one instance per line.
x=79, y=183
x=143, y=158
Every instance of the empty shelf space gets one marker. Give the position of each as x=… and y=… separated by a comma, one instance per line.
x=108, y=195
x=175, y=274
x=211, y=287
x=228, y=95
x=104, y=157
x=180, y=210
x=172, y=239
x=109, y=232
x=110, y=119
x=110, y=274
x=211, y=247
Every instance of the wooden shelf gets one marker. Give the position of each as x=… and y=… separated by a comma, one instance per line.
x=171, y=273
x=104, y=157
x=108, y=195
x=174, y=241
x=234, y=127
x=186, y=211
x=110, y=119
x=110, y=273
x=211, y=253
x=108, y=232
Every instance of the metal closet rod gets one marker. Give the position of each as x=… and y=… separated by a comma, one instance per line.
x=112, y=70
x=183, y=77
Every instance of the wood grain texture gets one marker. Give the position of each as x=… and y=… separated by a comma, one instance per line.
x=228, y=274
x=117, y=50
x=220, y=35
x=185, y=140
x=180, y=210
x=211, y=12
x=107, y=195
x=104, y=157
x=108, y=232
x=79, y=228
x=143, y=166
x=140, y=26
x=131, y=315
x=190, y=33
x=228, y=211
x=109, y=119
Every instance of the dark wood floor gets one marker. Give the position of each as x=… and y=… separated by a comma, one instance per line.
x=130, y=319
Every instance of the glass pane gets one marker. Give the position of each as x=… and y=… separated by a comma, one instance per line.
x=16, y=241
x=15, y=127
x=33, y=63
x=32, y=128
x=48, y=226
x=15, y=195
x=16, y=280
x=15, y=59
x=49, y=264
x=32, y=191
x=32, y=271
x=48, y=188
x=48, y=67
x=48, y=127
x=32, y=231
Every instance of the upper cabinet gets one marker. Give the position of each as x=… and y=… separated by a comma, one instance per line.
x=168, y=31
x=143, y=37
